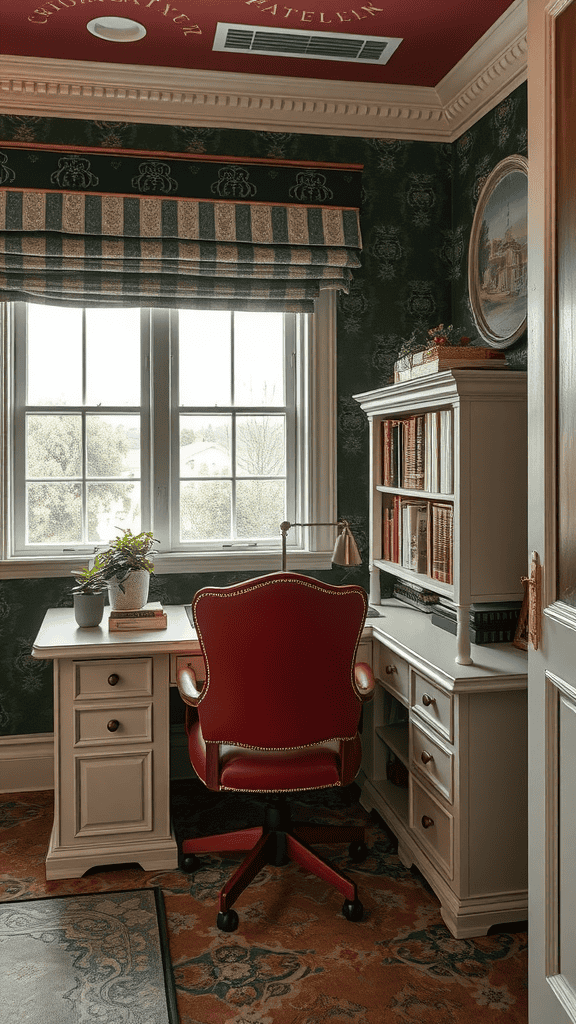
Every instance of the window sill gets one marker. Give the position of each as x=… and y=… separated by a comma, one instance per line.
x=176, y=562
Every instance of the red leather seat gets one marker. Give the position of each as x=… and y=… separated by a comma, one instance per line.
x=278, y=712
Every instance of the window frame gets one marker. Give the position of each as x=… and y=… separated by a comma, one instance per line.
x=309, y=548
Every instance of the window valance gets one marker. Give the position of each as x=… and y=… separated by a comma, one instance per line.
x=230, y=248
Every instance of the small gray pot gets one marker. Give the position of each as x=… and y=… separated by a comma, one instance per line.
x=89, y=609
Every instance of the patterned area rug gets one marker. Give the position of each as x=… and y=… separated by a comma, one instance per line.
x=97, y=957
x=294, y=958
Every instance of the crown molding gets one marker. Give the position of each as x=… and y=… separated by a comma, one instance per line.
x=497, y=64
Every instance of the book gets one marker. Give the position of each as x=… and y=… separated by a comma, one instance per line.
x=446, y=452
x=499, y=635
x=432, y=452
x=414, y=535
x=141, y=623
x=413, y=441
x=414, y=595
x=484, y=616
x=414, y=590
x=441, y=542
x=150, y=610
x=443, y=357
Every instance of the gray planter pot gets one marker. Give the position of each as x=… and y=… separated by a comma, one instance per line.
x=135, y=594
x=89, y=609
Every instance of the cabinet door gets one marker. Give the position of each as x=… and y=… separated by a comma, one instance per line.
x=104, y=804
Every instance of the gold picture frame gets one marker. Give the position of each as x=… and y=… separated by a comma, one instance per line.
x=498, y=254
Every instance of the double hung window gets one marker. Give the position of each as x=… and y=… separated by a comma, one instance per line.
x=202, y=426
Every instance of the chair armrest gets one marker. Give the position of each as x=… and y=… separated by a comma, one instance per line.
x=187, y=687
x=364, y=681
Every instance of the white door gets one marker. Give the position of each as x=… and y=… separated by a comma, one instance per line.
x=552, y=508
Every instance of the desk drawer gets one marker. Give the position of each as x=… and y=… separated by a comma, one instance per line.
x=394, y=673
x=432, y=761
x=192, y=661
x=434, y=705
x=434, y=827
x=126, y=677
x=112, y=724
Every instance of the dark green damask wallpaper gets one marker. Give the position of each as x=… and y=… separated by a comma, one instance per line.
x=417, y=210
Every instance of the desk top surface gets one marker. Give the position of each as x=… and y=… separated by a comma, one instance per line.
x=61, y=637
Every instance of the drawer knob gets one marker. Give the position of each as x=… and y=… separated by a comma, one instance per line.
x=113, y=725
x=113, y=679
x=390, y=669
x=427, y=700
x=425, y=757
x=426, y=821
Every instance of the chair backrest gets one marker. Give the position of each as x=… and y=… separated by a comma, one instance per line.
x=280, y=653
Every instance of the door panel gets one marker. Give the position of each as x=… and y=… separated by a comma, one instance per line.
x=552, y=508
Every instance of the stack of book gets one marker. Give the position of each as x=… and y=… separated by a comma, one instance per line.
x=493, y=623
x=151, y=616
x=415, y=595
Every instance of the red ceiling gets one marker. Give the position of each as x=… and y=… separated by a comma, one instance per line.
x=436, y=34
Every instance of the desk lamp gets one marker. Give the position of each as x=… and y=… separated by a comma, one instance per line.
x=345, y=549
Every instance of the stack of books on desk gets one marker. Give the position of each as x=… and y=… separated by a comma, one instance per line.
x=491, y=623
x=151, y=616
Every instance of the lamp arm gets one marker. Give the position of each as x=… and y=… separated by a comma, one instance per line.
x=285, y=526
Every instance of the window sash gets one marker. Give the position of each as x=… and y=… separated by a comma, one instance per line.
x=315, y=461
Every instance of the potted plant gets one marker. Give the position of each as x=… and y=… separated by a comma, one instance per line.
x=89, y=593
x=127, y=567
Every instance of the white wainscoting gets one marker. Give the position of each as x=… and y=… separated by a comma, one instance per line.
x=27, y=762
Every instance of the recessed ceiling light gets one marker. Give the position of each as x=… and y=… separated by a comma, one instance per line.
x=116, y=30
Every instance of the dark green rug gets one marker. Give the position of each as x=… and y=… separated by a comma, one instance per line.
x=100, y=957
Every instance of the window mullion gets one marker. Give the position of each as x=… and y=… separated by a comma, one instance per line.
x=162, y=424
x=84, y=482
x=233, y=467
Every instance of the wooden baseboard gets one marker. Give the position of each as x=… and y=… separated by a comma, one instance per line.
x=27, y=762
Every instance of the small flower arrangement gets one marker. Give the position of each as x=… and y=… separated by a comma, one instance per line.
x=436, y=336
x=442, y=335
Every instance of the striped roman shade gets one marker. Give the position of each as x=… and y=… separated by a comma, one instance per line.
x=80, y=249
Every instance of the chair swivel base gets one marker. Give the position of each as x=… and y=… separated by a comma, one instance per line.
x=277, y=842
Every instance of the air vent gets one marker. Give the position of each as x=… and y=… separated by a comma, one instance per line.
x=283, y=42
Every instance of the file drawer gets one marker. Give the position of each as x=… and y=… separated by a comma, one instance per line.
x=434, y=705
x=431, y=760
x=394, y=673
x=126, y=677
x=434, y=827
x=112, y=724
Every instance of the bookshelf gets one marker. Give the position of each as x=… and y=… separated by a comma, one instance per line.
x=448, y=458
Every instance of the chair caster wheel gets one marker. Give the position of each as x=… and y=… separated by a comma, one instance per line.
x=358, y=851
x=353, y=910
x=227, y=921
x=189, y=863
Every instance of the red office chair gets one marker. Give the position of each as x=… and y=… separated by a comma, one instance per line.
x=278, y=712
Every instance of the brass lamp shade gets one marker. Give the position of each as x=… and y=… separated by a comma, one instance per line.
x=345, y=549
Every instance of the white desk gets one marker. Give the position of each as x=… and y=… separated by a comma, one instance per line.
x=111, y=741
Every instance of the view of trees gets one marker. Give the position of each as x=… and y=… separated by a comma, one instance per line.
x=206, y=504
x=54, y=449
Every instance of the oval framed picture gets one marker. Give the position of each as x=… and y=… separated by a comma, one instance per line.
x=498, y=254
